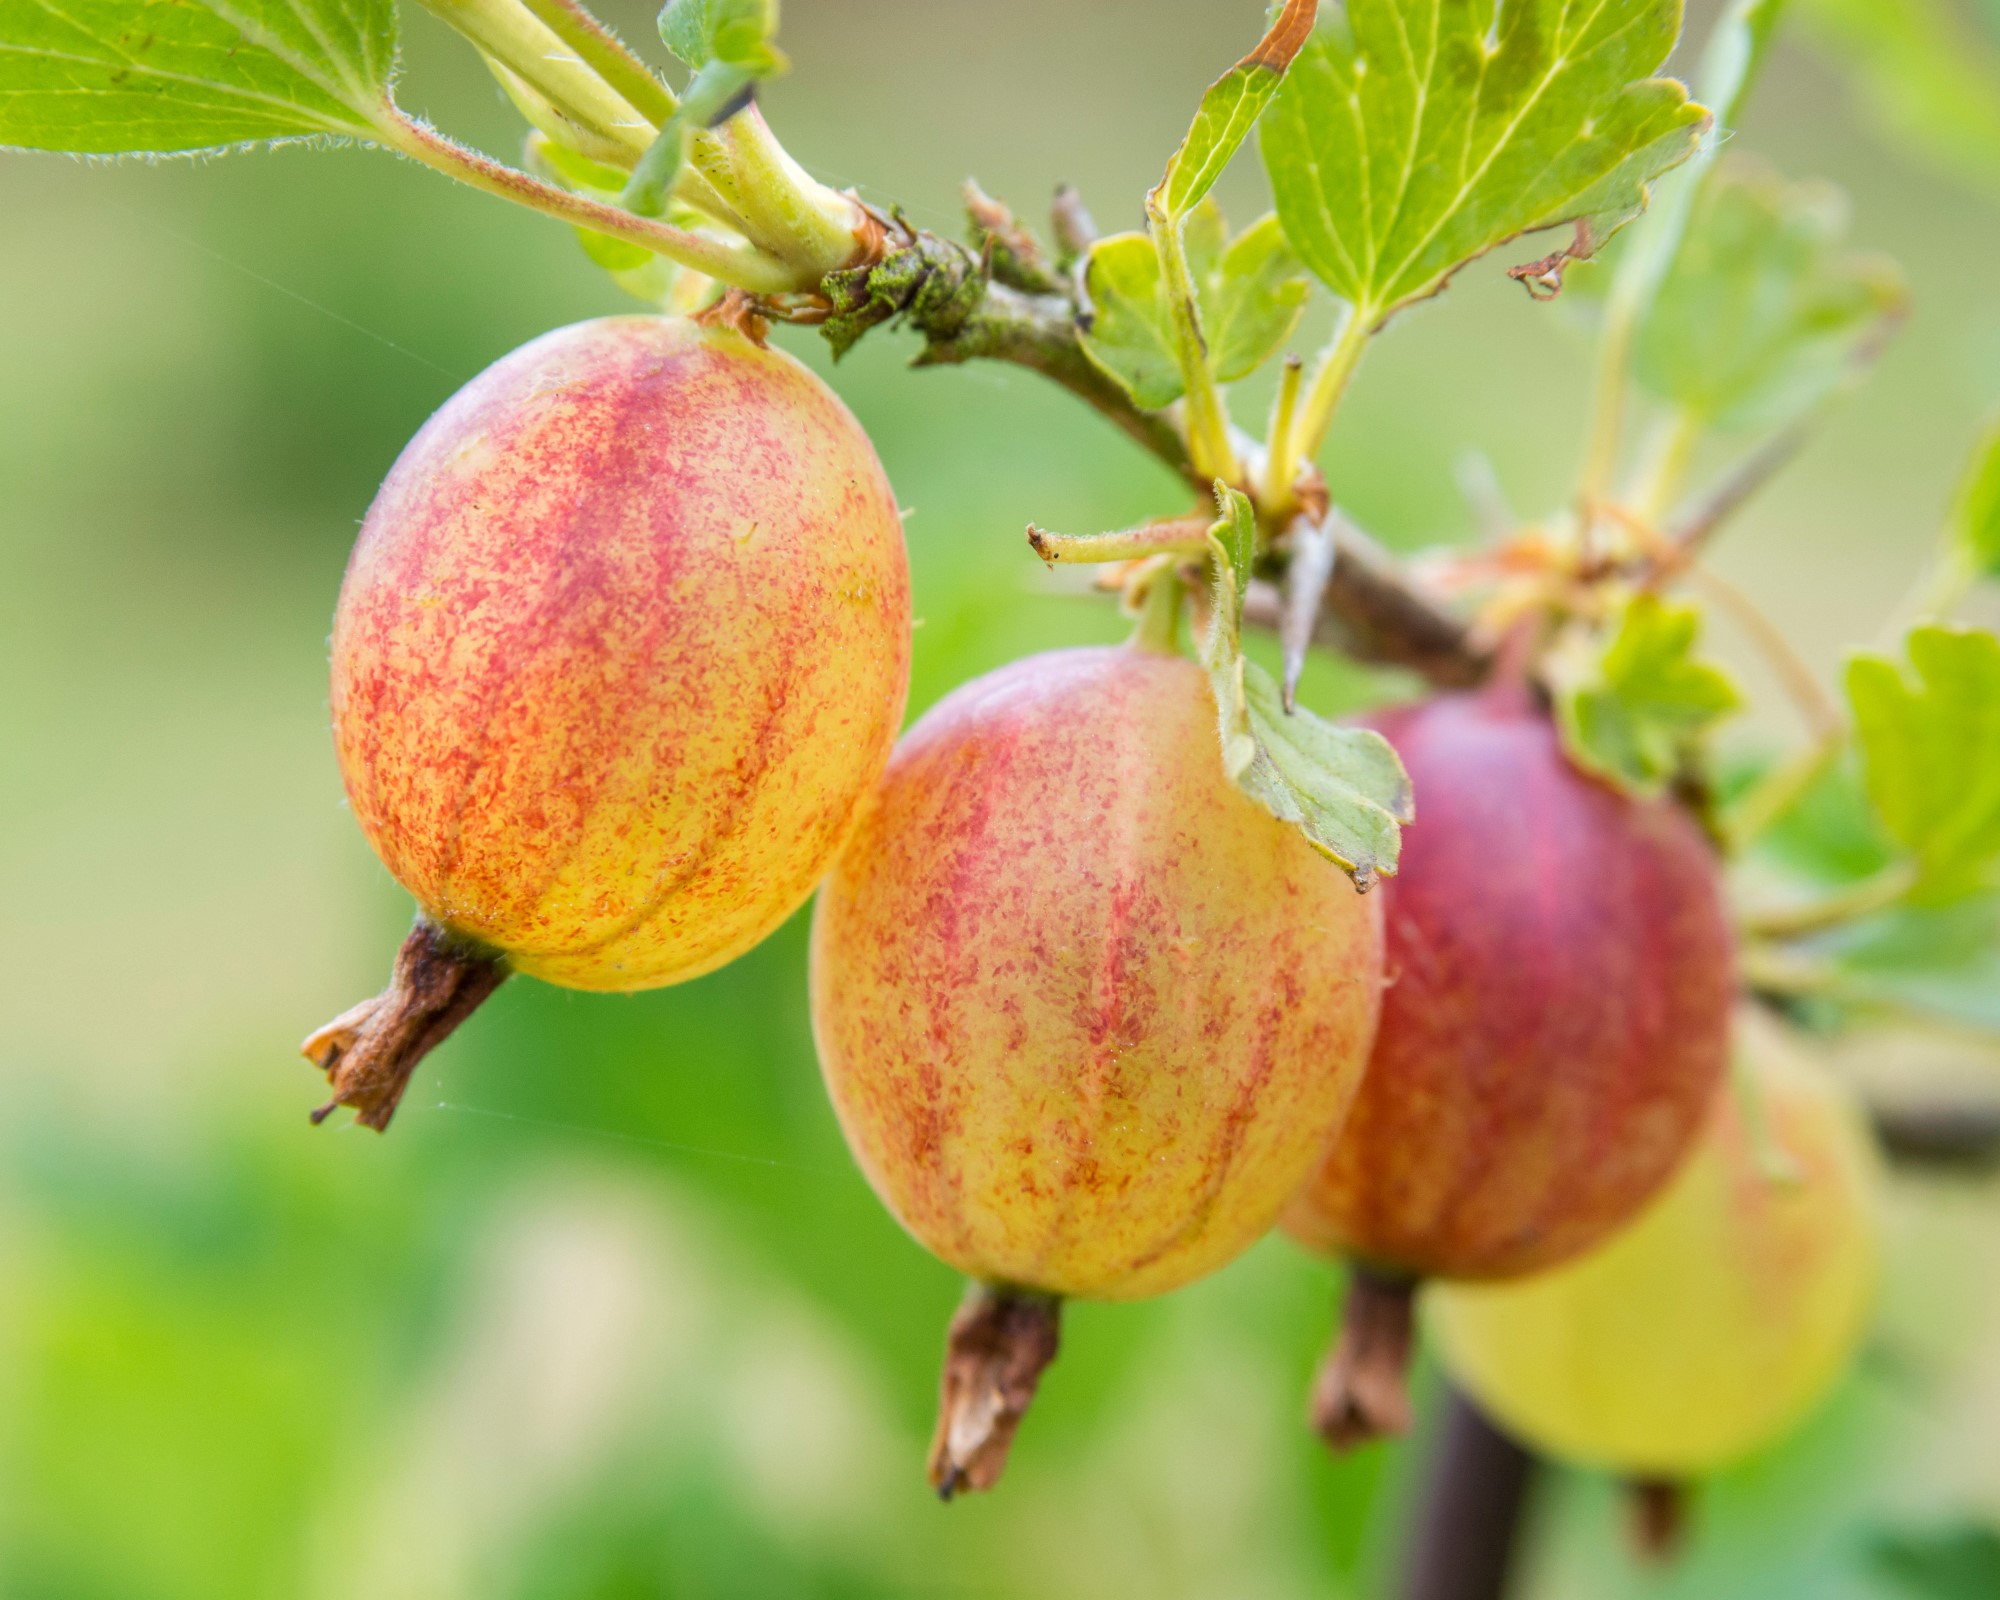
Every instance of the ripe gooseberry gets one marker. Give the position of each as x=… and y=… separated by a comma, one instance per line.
x=1087, y=1013
x=1559, y=982
x=1711, y=1325
x=623, y=643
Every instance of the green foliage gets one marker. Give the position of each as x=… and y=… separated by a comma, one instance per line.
x=734, y=33
x=1763, y=313
x=1942, y=961
x=1930, y=747
x=103, y=77
x=1344, y=788
x=1412, y=136
x=728, y=44
x=1631, y=712
x=1250, y=292
x=1975, y=520
x=1230, y=109
x=1953, y=1563
x=1929, y=79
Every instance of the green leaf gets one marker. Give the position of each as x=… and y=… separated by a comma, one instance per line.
x=1129, y=331
x=1764, y=313
x=1250, y=291
x=735, y=33
x=1975, y=520
x=106, y=77
x=1942, y=960
x=1928, y=80
x=1412, y=136
x=1952, y=1563
x=1630, y=713
x=1251, y=297
x=1930, y=748
x=1344, y=788
x=1230, y=109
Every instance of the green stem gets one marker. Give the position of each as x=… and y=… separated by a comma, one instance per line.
x=1159, y=625
x=514, y=36
x=1281, y=465
x=1185, y=536
x=1851, y=904
x=608, y=55
x=728, y=261
x=1772, y=795
x=1667, y=463
x=542, y=115
x=1209, y=439
x=1329, y=384
x=777, y=203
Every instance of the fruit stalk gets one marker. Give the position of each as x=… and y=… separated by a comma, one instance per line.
x=1360, y=1394
x=369, y=1052
x=1000, y=1343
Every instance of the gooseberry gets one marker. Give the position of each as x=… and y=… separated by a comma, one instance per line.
x=1712, y=1324
x=1087, y=1013
x=624, y=642
x=1559, y=982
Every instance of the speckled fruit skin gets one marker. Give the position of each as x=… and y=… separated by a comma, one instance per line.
x=624, y=643
x=1560, y=977
x=1087, y=1013
x=1711, y=1325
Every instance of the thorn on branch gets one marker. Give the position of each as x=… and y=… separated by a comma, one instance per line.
x=1306, y=578
x=1075, y=229
x=1013, y=253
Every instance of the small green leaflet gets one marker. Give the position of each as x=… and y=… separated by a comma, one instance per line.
x=1630, y=713
x=1251, y=292
x=1412, y=136
x=1344, y=788
x=1230, y=110
x=1764, y=313
x=158, y=77
x=737, y=33
x=1975, y=520
x=1930, y=750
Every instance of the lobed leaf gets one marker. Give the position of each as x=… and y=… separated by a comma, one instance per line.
x=1343, y=788
x=1930, y=749
x=1412, y=136
x=1250, y=291
x=1630, y=713
x=1230, y=109
x=111, y=77
x=1764, y=313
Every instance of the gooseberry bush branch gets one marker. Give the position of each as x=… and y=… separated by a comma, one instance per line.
x=1403, y=141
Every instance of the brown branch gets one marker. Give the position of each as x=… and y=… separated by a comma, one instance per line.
x=948, y=295
x=1477, y=1491
x=1372, y=613
x=1942, y=1137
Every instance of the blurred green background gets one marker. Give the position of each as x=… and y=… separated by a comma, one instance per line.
x=609, y=1314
